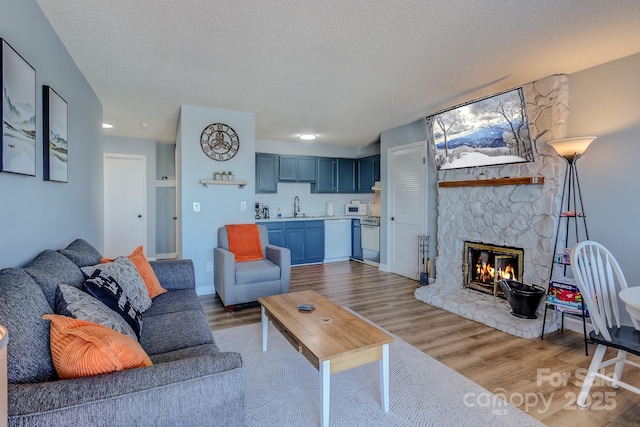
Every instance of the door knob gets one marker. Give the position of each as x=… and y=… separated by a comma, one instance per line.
x=175, y=217
x=393, y=218
x=139, y=216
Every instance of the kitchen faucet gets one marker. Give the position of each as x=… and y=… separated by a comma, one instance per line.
x=296, y=206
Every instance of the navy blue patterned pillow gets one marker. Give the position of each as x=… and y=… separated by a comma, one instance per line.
x=108, y=291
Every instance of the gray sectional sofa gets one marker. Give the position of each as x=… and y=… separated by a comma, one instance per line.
x=190, y=383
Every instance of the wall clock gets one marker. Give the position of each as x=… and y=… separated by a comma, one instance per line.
x=220, y=142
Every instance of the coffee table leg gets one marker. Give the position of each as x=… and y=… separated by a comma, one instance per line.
x=384, y=378
x=265, y=328
x=325, y=377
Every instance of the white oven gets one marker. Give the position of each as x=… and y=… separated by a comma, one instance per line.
x=370, y=232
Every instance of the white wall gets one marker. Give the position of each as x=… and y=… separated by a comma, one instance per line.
x=219, y=205
x=35, y=214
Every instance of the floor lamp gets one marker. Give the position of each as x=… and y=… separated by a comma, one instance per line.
x=571, y=149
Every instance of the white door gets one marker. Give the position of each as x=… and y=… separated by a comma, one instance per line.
x=125, y=203
x=407, y=207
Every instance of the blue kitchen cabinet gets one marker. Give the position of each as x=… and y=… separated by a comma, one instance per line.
x=288, y=168
x=368, y=173
x=314, y=241
x=305, y=239
x=266, y=173
x=275, y=230
x=335, y=176
x=294, y=239
x=356, y=240
x=346, y=175
x=297, y=168
x=307, y=168
x=326, y=177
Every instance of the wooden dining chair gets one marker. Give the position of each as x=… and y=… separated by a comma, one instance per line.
x=600, y=279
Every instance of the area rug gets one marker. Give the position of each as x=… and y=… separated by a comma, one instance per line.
x=283, y=389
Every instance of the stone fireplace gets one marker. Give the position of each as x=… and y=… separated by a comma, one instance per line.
x=510, y=216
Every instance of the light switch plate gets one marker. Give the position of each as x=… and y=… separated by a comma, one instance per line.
x=196, y=206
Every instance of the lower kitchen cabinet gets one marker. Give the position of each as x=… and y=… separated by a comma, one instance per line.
x=356, y=240
x=305, y=239
x=314, y=241
x=275, y=231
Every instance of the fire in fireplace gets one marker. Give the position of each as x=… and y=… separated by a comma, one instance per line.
x=485, y=265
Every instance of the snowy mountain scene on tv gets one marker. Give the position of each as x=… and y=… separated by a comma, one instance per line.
x=489, y=131
x=18, y=114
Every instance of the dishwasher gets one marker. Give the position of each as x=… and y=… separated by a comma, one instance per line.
x=370, y=229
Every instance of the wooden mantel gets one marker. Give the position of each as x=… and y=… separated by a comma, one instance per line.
x=521, y=180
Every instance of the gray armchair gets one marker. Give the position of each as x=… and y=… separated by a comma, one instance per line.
x=242, y=282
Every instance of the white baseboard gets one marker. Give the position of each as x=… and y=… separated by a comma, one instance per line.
x=575, y=324
x=209, y=290
x=383, y=267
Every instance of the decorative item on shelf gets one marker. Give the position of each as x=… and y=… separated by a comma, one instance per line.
x=224, y=175
x=217, y=176
x=230, y=176
x=482, y=175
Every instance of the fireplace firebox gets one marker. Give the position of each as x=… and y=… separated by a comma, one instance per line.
x=484, y=265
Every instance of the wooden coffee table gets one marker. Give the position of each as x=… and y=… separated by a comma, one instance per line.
x=330, y=337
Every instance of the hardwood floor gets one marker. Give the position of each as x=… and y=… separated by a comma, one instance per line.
x=537, y=376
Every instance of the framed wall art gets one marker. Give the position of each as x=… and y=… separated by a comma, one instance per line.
x=18, y=154
x=54, y=136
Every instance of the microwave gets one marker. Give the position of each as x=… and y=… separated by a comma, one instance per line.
x=355, y=209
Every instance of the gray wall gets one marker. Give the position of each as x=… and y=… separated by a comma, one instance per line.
x=37, y=215
x=605, y=102
x=404, y=135
x=219, y=204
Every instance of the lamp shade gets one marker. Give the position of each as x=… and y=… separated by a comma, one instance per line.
x=572, y=147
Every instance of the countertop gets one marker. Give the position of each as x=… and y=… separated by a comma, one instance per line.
x=306, y=218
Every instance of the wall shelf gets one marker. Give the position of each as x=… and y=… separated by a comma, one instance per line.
x=521, y=180
x=208, y=182
x=169, y=182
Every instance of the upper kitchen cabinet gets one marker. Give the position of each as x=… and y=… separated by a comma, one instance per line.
x=326, y=177
x=346, y=175
x=266, y=173
x=335, y=176
x=368, y=173
x=297, y=169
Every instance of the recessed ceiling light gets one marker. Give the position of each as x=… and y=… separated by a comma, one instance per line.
x=106, y=126
x=307, y=137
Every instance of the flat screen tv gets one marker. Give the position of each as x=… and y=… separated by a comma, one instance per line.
x=485, y=132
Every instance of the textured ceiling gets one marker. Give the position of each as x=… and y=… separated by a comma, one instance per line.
x=344, y=70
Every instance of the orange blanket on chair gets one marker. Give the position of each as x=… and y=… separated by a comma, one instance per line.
x=244, y=242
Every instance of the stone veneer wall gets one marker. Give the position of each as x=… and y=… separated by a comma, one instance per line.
x=523, y=216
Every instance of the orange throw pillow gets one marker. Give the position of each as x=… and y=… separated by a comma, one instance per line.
x=80, y=348
x=244, y=242
x=145, y=270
